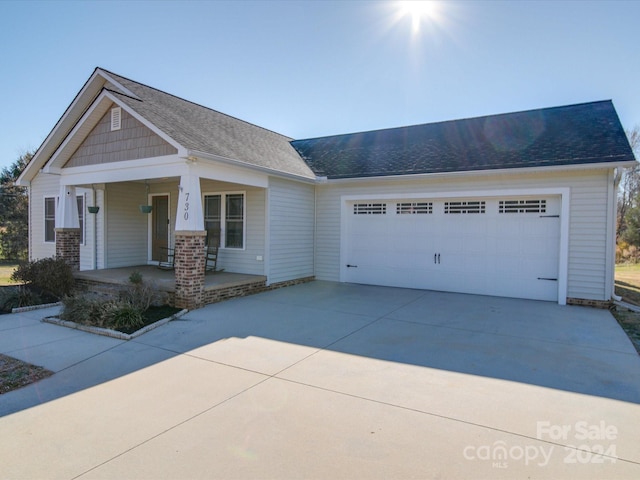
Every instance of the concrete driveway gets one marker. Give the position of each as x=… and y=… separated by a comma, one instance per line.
x=327, y=380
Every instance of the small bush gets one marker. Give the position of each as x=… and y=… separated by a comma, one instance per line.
x=86, y=309
x=123, y=315
x=19, y=296
x=135, y=277
x=51, y=275
x=104, y=312
x=140, y=295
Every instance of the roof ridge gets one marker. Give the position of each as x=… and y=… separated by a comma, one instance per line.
x=193, y=103
x=441, y=122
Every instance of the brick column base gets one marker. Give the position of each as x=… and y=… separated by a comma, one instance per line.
x=68, y=246
x=189, y=268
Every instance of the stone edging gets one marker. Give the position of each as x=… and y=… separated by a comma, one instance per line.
x=113, y=333
x=35, y=307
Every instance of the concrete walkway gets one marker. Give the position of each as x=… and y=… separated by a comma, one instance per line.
x=327, y=380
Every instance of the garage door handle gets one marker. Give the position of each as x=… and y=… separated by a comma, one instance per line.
x=438, y=258
x=352, y=266
x=546, y=278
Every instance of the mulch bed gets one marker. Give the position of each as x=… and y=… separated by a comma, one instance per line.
x=15, y=373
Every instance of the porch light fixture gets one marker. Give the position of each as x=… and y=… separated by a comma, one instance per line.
x=146, y=208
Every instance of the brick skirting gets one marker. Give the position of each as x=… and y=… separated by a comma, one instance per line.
x=604, y=304
x=210, y=295
x=218, y=294
x=113, y=289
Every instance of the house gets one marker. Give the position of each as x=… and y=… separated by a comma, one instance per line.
x=519, y=205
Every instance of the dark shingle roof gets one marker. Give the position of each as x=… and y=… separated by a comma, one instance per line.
x=202, y=129
x=571, y=135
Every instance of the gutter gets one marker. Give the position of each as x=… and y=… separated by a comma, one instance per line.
x=484, y=172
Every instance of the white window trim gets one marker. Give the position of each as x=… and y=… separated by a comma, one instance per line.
x=44, y=219
x=55, y=208
x=223, y=219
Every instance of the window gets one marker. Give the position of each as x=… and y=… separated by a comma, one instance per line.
x=234, y=219
x=80, y=200
x=50, y=219
x=523, y=206
x=50, y=204
x=414, y=208
x=464, y=207
x=370, y=209
x=224, y=216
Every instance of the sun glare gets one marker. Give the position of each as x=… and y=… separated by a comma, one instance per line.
x=419, y=11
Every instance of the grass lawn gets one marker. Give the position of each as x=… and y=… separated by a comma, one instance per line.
x=628, y=287
x=6, y=269
x=628, y=282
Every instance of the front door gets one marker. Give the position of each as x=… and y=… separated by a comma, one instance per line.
x=160, y=228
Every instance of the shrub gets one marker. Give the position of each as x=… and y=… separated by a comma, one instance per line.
x=85, y=309
x=51, y=275
x=123, y=315
x=140, y=295
x=135, y=277
x=15, y=297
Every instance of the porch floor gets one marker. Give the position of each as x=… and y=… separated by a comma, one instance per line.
x=165, y=280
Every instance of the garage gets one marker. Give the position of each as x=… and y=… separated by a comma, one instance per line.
x=505, y=246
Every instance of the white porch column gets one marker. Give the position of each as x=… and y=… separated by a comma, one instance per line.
x=67, y=228
x=67, y=209
x=190, y=244
x=189, y=216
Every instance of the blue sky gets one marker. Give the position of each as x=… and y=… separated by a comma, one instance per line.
x=314, y=68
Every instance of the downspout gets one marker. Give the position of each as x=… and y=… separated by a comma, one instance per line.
x=617, y=177
x=29, y=218
x=315, y=226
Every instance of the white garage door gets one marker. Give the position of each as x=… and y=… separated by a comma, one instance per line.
x=489, y=246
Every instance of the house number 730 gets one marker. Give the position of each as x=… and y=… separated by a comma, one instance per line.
x=186, y=206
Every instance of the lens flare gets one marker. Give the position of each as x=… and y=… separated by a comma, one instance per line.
x=419, y=11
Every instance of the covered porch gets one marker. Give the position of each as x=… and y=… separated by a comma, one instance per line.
x=217, y=286
x=181, y=210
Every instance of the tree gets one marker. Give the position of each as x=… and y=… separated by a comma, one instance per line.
x=14, y=212
x=629, y=189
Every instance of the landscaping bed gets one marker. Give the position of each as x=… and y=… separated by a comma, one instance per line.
x=152, y=318
x=15, y=373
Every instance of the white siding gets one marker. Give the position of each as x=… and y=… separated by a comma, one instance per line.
x=42, y=186
x=243, y=260
x=588, y=259
x=291, y=226
x=126, y=228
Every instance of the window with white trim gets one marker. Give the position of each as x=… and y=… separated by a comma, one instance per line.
x=50, y=219
x=50, y=204
x=224, y=216
x=80, y=200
